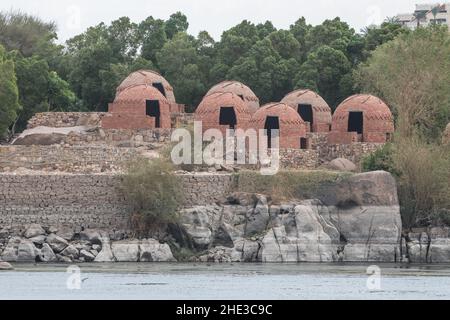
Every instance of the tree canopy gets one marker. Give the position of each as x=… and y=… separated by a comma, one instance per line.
x=84, y=73
x=9, y=94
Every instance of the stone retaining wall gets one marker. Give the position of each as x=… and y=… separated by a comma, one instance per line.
x=63, y=119
x=299, y=159
x=87, y=200
x=79, y=159
x=120, y=137
x=353, y=152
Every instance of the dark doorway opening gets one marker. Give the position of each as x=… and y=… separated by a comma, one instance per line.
x=272, y=123
x=355, y=122
x=303, y=143
x=228, y=117
x=241, y=96
x=152, y=109
x=160, y=87
x=306, y=112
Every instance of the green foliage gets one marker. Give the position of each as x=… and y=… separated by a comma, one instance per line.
x=411, y=73
x=25, y=33
x=323, y=71
x=152, y=36
x=40, y=89
x=153, y=192
x=272, y=62
x=176, y=23
x=9, y=95
x=382, y=159
x=423, y=180
x=286, y=184
x=376, y=36
x=179, y=60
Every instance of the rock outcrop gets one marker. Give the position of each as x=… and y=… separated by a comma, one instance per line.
x=356, y=219
x=84, y=246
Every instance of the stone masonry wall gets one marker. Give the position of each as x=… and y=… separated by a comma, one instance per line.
x=87, y=200
x=353, y=152
x=120, y=137
x=79, y=159
x=62, y=119
x=299, y=159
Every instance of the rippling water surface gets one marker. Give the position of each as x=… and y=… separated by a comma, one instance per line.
x=227, y=281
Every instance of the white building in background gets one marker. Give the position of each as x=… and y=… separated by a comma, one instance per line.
x=426, y=14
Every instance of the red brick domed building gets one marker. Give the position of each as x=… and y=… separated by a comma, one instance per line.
x=223, y=110
x=312, y=108
x=292, y=128
x=361, y=118
x=154, y=79
x=239, y=89
x=138, y=107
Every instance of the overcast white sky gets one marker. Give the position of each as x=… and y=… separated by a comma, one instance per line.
x=214, y=16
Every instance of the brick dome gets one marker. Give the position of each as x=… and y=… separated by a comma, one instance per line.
x=223, y=110
x=312, y=108
x=291, y=125
x=363, y=118
x=150, y=78
x=138, y=107
x=446, y=135
x=241, y=90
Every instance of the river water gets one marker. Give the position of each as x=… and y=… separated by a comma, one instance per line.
x=225, y=281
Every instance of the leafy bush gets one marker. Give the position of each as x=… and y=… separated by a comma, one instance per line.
x=423, y=180
x=153, y=192
x=382, y=159
x=286, y=184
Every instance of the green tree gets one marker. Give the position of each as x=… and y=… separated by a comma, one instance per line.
x=236, y=42
x=337, y=35
x=285, y=44
x=375, y=36
x=152, y=36
x=40, y=89
x=9, y=94
x=88, y=63
x=177, y=23
x=264, y=29
x=122, y=36
x=299, y=30
x=324, y=71
x=178, y=61
x=411, y=73
x=25, y=33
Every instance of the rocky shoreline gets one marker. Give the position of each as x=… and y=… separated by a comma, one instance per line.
x=354, y=220
x=50, y=245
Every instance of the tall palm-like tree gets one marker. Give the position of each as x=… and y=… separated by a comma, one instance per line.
x=435, y=11
x=420, y=15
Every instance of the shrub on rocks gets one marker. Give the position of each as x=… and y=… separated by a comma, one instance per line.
x=154, y=194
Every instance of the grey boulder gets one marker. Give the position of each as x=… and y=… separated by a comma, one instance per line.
x=34, y=230
x=57, y=243
x=125, y=251
x=47, y=254
x=152, y=251
x=342, y=164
